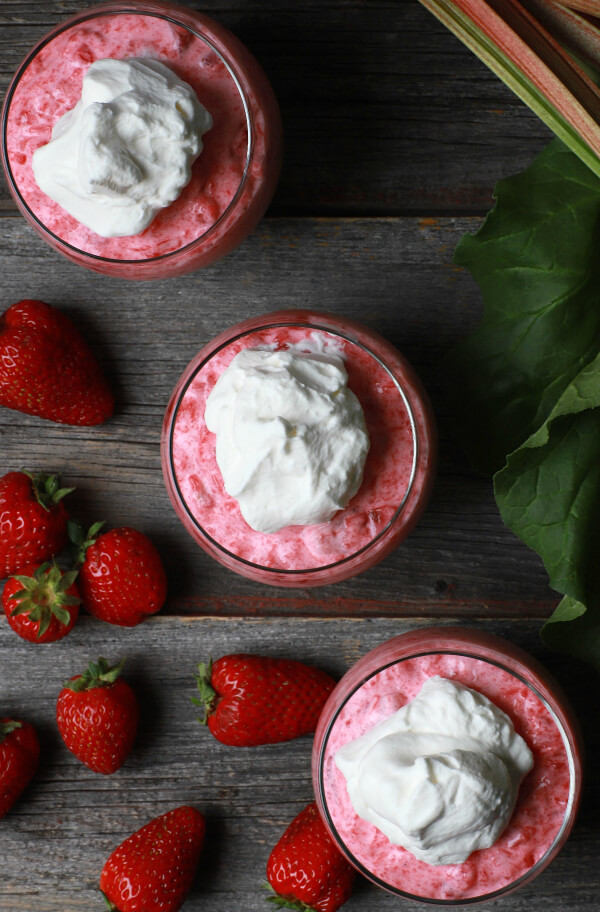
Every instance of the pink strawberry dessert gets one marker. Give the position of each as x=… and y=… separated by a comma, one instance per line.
x=234, y=176
x=396, y=479
x=381, y=688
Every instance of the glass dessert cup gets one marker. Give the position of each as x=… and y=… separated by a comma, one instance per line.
x=233, y=178
x=389, y=676
x=397, y=478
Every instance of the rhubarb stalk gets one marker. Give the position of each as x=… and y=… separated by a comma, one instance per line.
x=578, y=33
x=591, y=7
x=530, y=61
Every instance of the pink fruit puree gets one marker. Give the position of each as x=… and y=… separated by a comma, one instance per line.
x=543, y=798
x=51, y=85
x=392, y=472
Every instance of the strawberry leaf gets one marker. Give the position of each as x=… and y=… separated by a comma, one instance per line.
x=7, y=727
x=283, y=902
x=82, y=540
x=47, y=489
x=207, y=695
x=76, y=533
x=109, y=905
x=22, y=607
x=65, y=581
x=97, y=674
x=61, y=614
x=44, y=596
x=44, y=619
x=28, y=584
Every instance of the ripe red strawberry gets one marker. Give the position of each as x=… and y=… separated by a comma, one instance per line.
x=97, y=715
x=121, y=575
x=306, y=870
x=47, y=368
x=252, y=700
x=153, y=870
x=33, y=519
x=41, y=602
x=19, y=757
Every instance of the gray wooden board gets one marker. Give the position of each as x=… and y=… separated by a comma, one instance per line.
x=56, y=839
x=383, y=109
x=389, y=122
x=394, y=274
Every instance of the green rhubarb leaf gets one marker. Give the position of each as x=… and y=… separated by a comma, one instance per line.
x=549, y=489
x=549, y=496
x=526, y=384
x=536, y=261
x=575, y=628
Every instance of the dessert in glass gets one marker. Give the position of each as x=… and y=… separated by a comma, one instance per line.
x=387, y=493
x=231, y=181
x=381, y=693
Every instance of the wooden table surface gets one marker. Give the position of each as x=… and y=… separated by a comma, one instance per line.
x=395, y=136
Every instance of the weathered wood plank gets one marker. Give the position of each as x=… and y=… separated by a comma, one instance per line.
x=387, y=118
x=394, y=274
x=384, y=110
x=56, y=839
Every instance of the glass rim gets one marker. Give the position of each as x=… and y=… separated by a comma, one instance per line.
x=115, y=9
x=524, y=878
x=278, y=571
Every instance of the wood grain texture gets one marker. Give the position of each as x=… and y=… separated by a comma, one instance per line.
x=384, y=111
x=395, y=275
x=395, y=136
x=58, y=836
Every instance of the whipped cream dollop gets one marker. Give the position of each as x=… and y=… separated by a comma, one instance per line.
x=439, y=777
x=291, y=436
x=126, y=149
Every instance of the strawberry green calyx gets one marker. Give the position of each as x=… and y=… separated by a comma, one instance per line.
x=82, y=540
x=208, y=696
x=7, y=727
x=45, y=595
x=47, y=489
x=282, y=902
x=97, y=674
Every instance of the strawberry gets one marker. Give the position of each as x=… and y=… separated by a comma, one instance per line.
x=97, y=715
x=33, y=519
x=19, y=758
x=306, y=870
x=47, y=368
x=41, y=602
x=250, y=700
x=153, y=869
x=121, y=575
